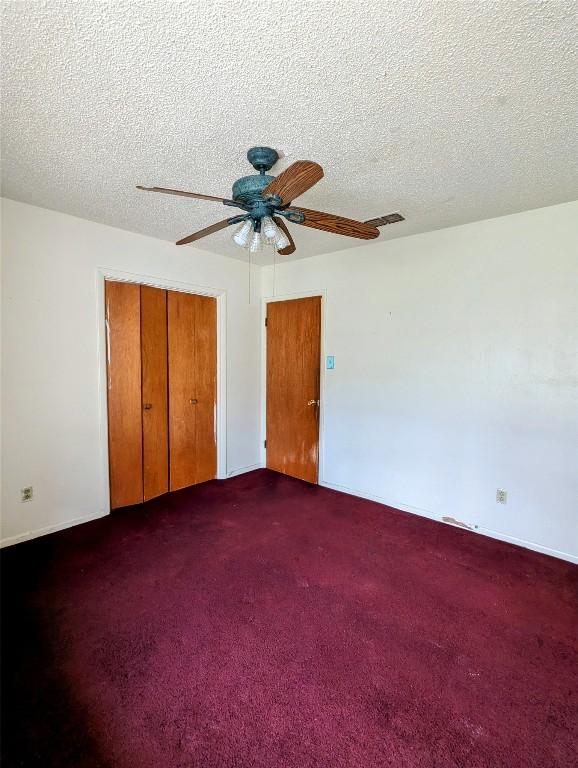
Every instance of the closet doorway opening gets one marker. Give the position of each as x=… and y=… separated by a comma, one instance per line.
x=163, y=389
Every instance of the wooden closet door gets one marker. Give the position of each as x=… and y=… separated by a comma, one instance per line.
x=155, y=435
x=192, y=332
x=124, y=393
x=293, y=374
x=206, y=388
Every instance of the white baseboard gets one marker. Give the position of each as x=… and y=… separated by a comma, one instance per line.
x=527, y=544
x=27, y=535
x=242, y=470
x=470, y=526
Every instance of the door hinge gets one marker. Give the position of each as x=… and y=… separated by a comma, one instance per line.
x=265, y=322
x=264, y=443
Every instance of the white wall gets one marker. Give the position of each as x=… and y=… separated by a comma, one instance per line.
x=51, y=433
x=456, y=373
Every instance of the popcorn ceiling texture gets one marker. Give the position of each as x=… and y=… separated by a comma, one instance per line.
x=449, y=112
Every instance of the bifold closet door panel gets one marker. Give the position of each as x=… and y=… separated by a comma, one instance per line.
x=192, y=333
x=206, y=388
x=124, y=393
x=182, y=414
x=155, y=427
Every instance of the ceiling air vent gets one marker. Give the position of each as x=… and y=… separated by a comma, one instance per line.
x=389, y=218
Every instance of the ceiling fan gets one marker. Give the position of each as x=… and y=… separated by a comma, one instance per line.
x=267, y=202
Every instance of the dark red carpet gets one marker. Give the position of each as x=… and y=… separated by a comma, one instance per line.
x=264, y=622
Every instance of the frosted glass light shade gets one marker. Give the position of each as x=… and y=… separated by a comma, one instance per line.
x=243, y=234
x=270, y=229
x=256, y=242
x=282, y=241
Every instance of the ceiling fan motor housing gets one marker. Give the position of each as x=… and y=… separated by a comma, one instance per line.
x=247, y=194
x=247, y=190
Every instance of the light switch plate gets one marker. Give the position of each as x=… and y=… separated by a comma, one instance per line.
x=330, y=362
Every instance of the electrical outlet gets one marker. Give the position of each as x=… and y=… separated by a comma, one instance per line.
x=26, y=494
x=501, y=496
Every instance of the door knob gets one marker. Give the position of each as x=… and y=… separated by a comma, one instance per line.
x=313, y=402
x=193, y=401
x=147, y=406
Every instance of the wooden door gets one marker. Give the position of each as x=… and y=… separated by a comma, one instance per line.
x=155, y=434
x=293, y=372
x=192, y=337
x=124, y=393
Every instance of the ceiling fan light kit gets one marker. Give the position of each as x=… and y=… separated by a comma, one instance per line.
x=267, y=200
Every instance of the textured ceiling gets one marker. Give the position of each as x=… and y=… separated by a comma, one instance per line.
x=446, y=111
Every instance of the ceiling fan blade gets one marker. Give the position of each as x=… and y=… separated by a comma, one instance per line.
x=337, y=224
x=204, y=232
x=180, y=192
x=291, y=248
x=295, y=180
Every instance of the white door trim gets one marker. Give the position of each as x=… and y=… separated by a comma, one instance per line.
x=322, y=292
x=220, y=294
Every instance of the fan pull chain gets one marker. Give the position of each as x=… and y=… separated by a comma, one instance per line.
x=250, y=270
x=274, y=270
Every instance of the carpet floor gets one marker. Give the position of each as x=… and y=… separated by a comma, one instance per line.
x=261, y=622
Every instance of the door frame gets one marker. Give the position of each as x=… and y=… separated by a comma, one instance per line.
x=220, y=294
x=266, y=300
